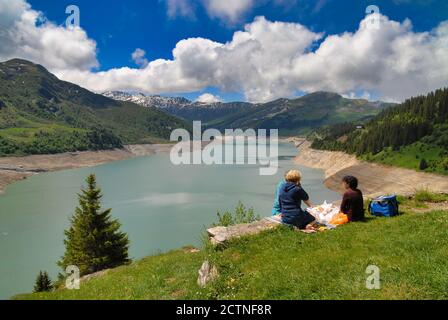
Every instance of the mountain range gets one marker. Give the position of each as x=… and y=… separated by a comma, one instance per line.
x=290, y=116
x=41, y=114
x=182, y=107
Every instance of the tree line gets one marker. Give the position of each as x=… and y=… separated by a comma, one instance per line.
x=422, y=117
x=59, y=141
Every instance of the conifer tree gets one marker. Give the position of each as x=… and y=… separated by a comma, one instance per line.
x=43, y=283
x=94, y=241
x=423, y=164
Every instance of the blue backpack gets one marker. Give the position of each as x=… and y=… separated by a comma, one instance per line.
x=384, y=206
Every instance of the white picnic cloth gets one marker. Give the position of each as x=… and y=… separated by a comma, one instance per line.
x=324, y=213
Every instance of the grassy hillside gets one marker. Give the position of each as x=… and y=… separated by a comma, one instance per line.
x=412, y=135
x=410, y=251
x=411, y=157
x=301, y=115
x=41, y=114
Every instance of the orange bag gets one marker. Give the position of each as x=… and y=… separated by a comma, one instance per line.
x=339, y=219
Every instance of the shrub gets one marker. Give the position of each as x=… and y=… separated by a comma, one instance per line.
x=43, y=283
x=423, y=165
x=240, y=216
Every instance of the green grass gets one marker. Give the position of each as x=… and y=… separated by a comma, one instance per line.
x=426, y=196
x=410, y=157
x=28, y=134
x=422, y=199
x=410, y=250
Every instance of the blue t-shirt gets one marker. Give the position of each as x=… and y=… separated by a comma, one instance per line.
x=276, y=209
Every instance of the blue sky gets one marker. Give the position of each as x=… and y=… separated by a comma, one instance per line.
x=120, y=27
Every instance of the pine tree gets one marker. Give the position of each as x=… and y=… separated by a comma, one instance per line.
x=423, y=165
x=43, y=283
x=93, y=241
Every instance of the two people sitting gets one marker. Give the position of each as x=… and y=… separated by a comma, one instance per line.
x=290, y=195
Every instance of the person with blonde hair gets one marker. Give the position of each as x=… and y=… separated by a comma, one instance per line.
x=290, y=197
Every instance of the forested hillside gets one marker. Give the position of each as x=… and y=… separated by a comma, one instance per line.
x=413, y=134
x=41, y=114
x=302, y=115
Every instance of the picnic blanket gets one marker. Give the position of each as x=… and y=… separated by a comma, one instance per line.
x=324, y=213
x=328, y=216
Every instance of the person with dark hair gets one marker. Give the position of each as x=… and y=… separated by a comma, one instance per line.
x=353, y=201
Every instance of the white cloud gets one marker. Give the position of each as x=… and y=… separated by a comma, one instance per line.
x=256, y=62
x=138, y=56
x=229, y=10
x=183, y=8
x=208, y=98
x=393, y=61
x=266, y=60
x=24, y=33
x=269, y=60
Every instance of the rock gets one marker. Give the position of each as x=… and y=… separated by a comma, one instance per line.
x=94, y=275
x=220, y=235
x=207, y=274
x=189, y=249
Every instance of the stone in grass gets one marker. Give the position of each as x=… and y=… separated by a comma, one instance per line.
x=220, y=235
x=207, y=274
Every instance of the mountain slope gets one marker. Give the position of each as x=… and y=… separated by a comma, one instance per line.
x=290, y=116
x=41, y=114
x=181, y=107
x=296, y=116
x=413, y=134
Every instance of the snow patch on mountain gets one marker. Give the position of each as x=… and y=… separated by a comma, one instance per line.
x=148, y=101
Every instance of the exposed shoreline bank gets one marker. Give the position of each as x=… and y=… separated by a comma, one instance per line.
x=13, y=169
x=375, y=179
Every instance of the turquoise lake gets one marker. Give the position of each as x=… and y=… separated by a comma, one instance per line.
x=160, y=206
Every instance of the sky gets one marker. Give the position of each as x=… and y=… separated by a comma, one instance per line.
x=215, y=50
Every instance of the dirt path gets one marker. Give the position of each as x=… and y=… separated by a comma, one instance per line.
x=374, y=179
x=13, y=169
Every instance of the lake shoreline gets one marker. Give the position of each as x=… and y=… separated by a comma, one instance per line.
x=375, y=179
x=13, y=169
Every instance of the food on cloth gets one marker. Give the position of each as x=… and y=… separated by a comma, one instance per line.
x=324, y=213
x=339, y=219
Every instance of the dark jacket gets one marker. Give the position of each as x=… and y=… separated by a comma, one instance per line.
x=353, y=205
x=290, y=199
